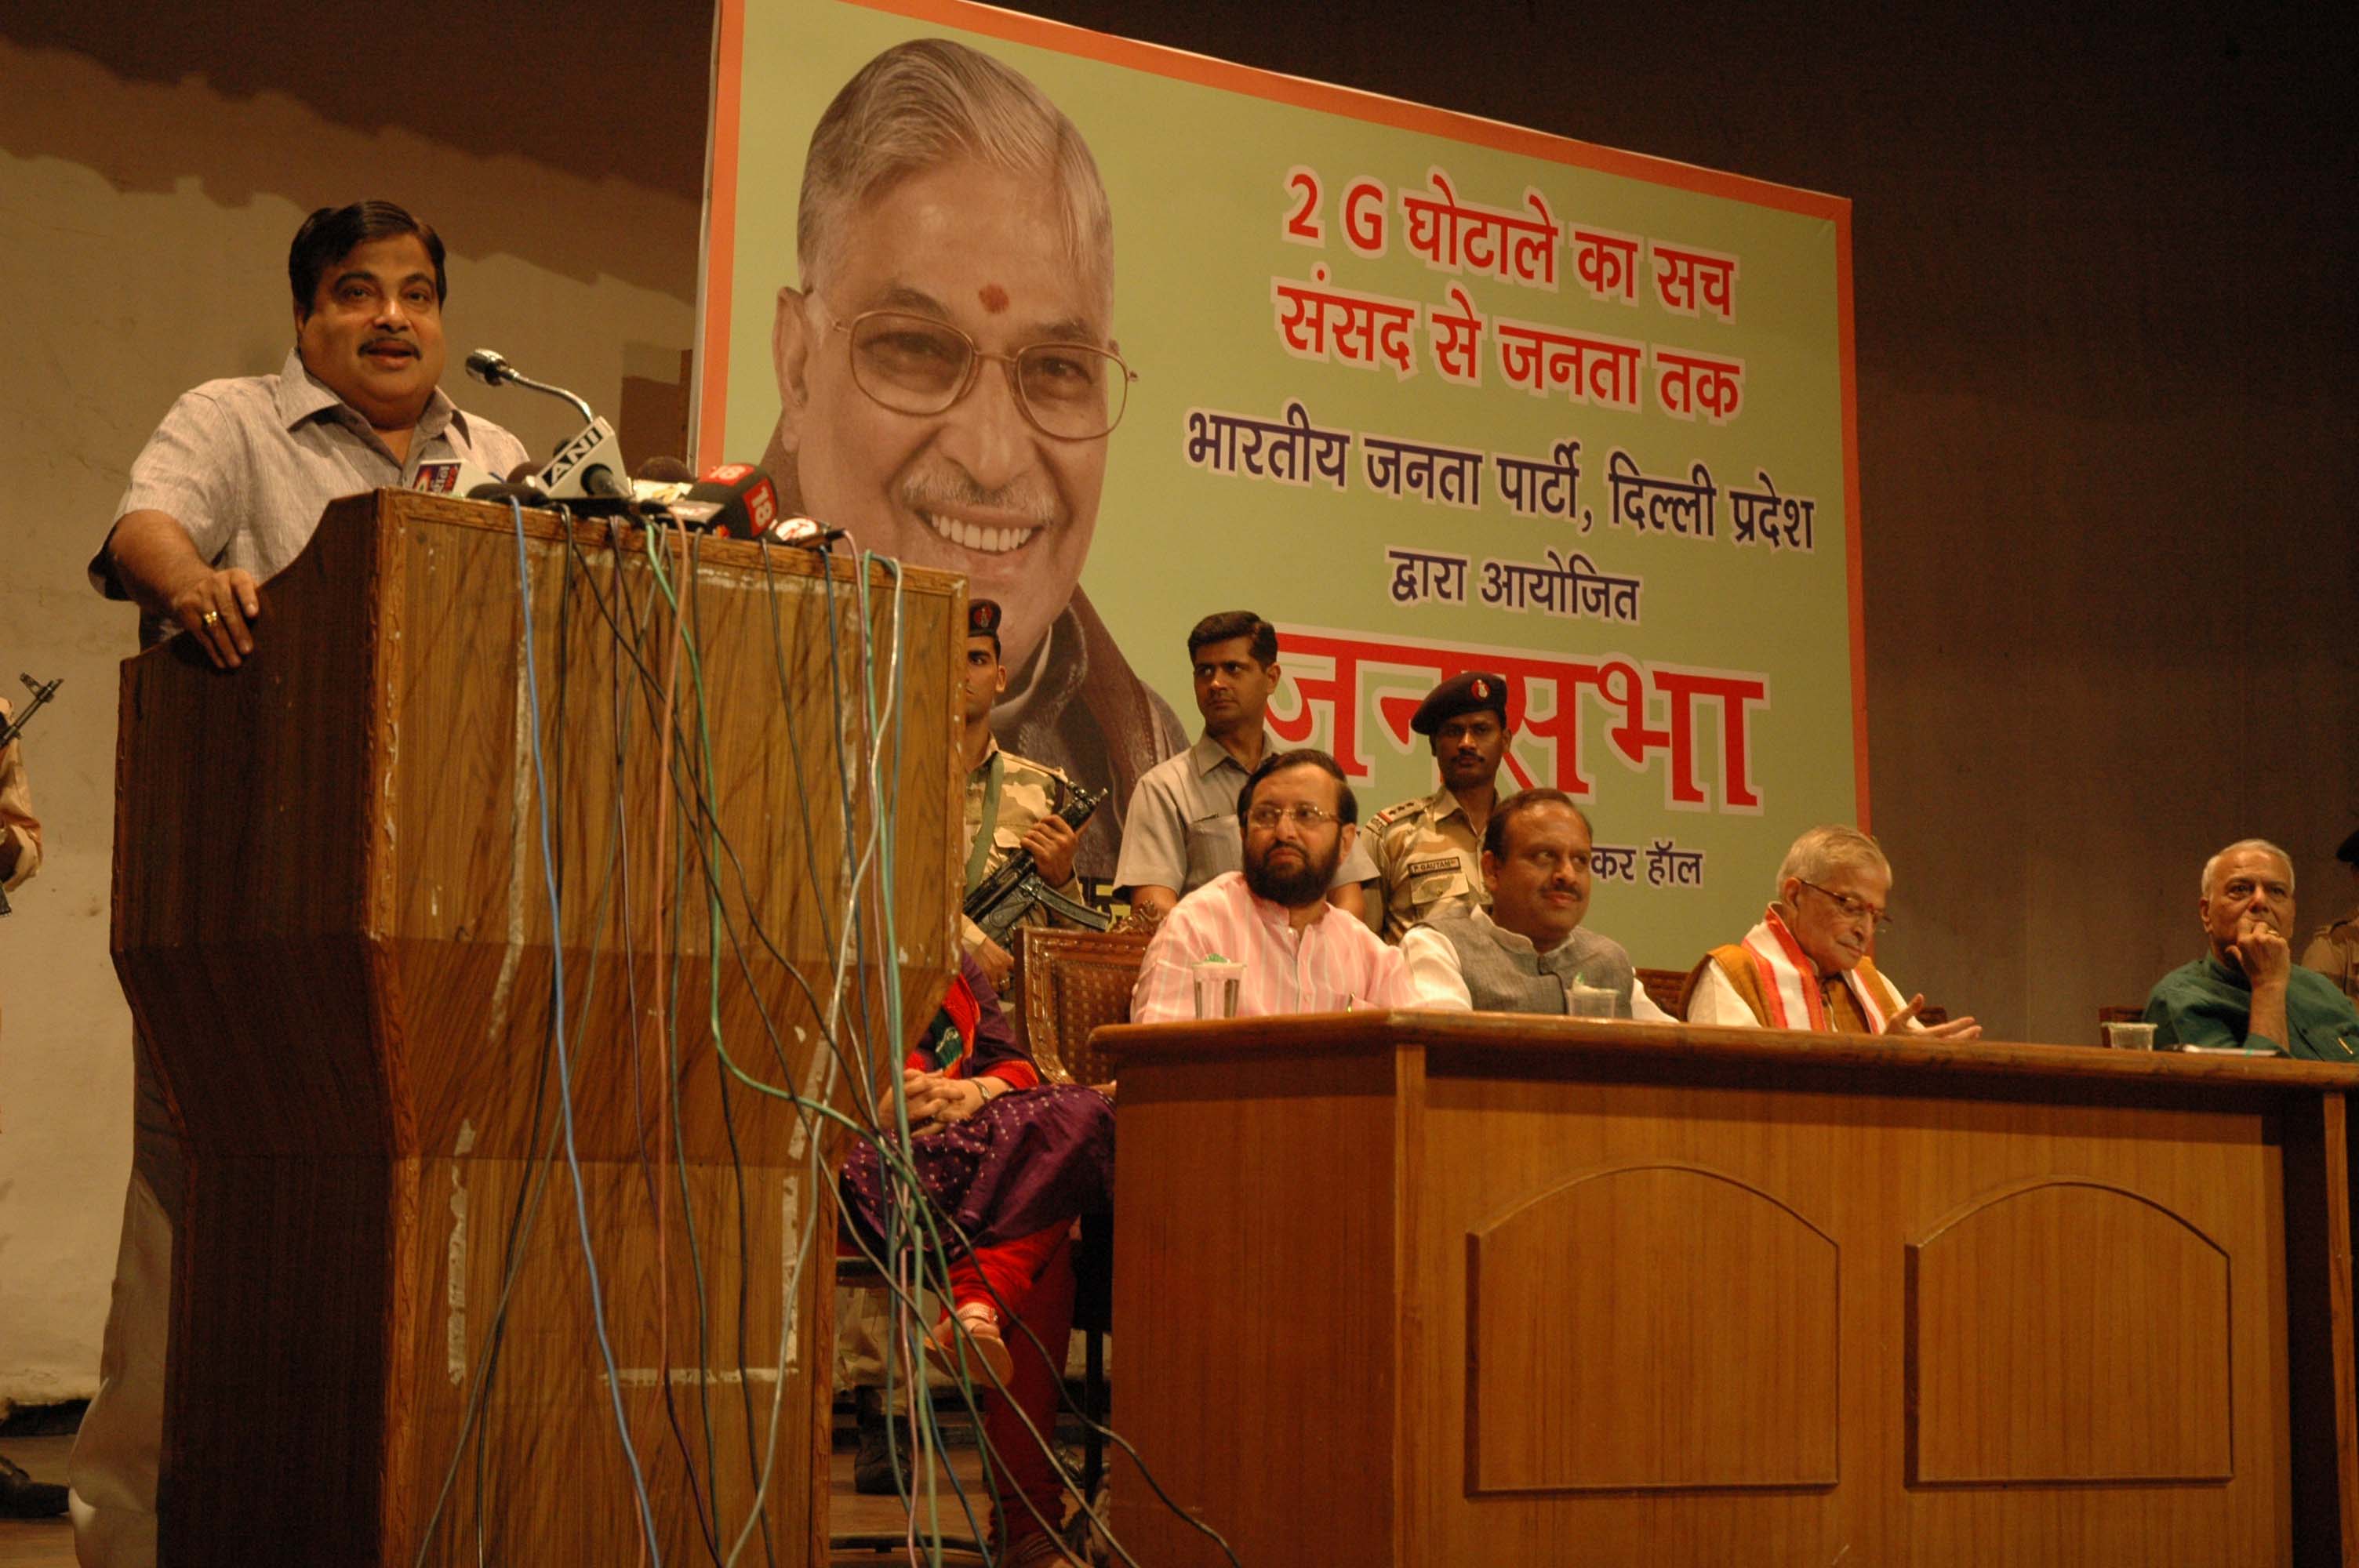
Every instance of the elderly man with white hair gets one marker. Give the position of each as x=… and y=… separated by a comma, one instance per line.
x=2246, y=993
x=1806, y=965
x=949, y=381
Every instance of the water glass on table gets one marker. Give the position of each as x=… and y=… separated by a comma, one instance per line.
x=1583, y=1001
x=1218, y=981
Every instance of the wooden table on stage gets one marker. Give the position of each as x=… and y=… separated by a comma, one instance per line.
x=331, y=921
x=1443, y=1291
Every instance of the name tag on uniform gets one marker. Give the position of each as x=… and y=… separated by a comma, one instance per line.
x=1427, y=868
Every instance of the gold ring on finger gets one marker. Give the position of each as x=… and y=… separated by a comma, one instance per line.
x=212, y=618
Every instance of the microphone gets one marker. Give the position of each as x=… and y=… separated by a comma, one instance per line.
x=492, y=368
x=661, y=481
x=807, y=531
x=737, y=500
x=519, y=486
x=740, y=501
x=587, y=468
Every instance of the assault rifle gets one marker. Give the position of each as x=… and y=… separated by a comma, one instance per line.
x=1003, y=898
x=41, y=692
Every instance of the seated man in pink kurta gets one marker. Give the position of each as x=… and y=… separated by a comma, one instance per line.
x=1299, y=818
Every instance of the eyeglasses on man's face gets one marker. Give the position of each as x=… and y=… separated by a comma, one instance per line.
x=1849, y=907
x=915, y=365
x=1303, y=815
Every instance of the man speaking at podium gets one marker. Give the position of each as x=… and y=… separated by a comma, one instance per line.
x=947, y=381
x=225, y=493
x=229, y=488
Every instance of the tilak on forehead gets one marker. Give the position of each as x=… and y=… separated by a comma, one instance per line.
x=993, y=297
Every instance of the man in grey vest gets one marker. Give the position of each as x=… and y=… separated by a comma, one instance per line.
x=1527, y=950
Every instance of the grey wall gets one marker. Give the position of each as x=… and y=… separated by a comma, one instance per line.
x=2106, y=335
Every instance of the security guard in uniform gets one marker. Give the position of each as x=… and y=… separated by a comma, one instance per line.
x=1018, y=798
x=2334, y=951
x=1428, y=851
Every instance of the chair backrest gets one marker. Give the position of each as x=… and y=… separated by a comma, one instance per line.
x=1074, y=981
x=1669, y=989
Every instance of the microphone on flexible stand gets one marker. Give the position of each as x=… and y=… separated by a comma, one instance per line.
x=589, y=467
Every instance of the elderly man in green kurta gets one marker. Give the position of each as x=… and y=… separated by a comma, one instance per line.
x=2247, y=993
x=1011, y=803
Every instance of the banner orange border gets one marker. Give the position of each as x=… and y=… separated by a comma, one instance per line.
x=720, y=225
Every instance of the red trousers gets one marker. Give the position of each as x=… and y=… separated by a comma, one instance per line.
x=1029, y=1282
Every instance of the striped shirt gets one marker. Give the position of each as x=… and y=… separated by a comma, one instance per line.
x=1332, y=964
x=247, y=465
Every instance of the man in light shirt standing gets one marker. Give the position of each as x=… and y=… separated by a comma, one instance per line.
x=1180, y=830
x=227, y=491
x=1300, y=953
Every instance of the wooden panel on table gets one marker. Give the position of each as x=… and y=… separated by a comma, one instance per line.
x=2066, y=1330
x=2322, y=1389
x=1267, y=1354
x=1877, y=1145
x=1598, y=1343
x=332, y=920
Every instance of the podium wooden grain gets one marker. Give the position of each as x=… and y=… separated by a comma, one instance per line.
x=1431, y=1290
x=330, y=919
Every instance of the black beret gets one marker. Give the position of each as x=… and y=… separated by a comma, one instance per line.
x=2350, y=850
x=1460, y=694
x=982, y=618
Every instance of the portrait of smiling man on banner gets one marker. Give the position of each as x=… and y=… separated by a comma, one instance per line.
x=949, y=382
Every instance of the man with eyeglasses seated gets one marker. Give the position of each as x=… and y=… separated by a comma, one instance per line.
x=2247, y=993
x=1183, y=829
x=1805, y=966
x=1300, y=953
x=948, y=382
x=1527, y=949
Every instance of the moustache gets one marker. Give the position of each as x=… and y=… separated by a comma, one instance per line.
x=1024, y=500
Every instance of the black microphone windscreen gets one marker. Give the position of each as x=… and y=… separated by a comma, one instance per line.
x=663, y=468
x=743, y=498
x=524, y=494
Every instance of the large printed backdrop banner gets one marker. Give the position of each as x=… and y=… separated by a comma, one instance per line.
x=1430, y=393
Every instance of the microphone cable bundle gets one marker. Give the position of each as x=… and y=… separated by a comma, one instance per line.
x=649, y=610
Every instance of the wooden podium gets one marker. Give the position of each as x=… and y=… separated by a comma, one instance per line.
x=330, y=918
x=1440, y=1292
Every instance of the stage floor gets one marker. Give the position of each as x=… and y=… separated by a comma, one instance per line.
x=48, y=1543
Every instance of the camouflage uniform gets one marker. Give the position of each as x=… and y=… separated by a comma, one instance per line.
x=1429, y=859
x=1028, y=793
x=2334, y=953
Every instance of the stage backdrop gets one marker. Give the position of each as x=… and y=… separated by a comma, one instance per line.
x=1431, y=393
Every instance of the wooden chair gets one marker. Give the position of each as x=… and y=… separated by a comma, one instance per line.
x=1668, y=987
x=1074, y=981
